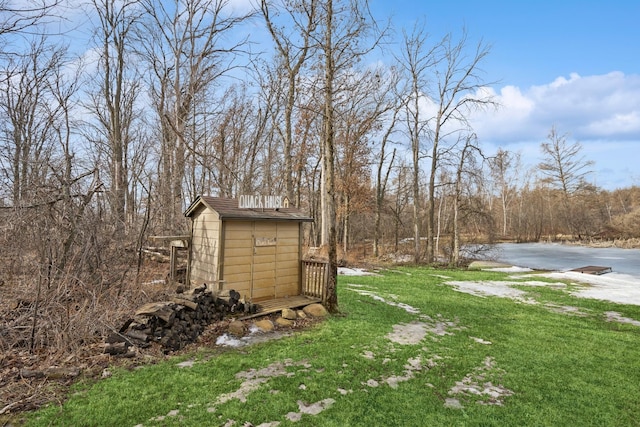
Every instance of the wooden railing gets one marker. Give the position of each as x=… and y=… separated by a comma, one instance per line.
x=314, y=279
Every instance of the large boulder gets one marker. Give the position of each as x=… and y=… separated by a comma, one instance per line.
x=281, y=321
x=236, y=328
x=315, y=310
x=289, y=314
x=265, y=325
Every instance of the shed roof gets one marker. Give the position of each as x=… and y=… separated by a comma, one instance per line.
x=228, y=209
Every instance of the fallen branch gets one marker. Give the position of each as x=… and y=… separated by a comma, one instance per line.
x=9, y=406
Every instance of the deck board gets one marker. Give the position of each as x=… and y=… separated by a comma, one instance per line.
x=593, y=269
x=278, y=304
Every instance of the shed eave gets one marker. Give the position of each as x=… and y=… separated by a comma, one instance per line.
x=195, y=205
x=227, y=209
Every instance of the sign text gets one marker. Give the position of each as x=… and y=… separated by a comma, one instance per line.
x=259, y=202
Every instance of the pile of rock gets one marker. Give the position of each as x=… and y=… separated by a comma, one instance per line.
x=286, y=319
x=180, y=320
x=176, y=322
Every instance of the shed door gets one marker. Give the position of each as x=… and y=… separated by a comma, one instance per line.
x=263, y=277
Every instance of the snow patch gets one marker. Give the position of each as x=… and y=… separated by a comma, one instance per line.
x=477, y=384
x=408, y=333
x=481, y=341
x=613, y=316
x=254, y=378
x=614, y=287
x=494, y=288
x=186, y=364
x=405, y=307
x=512, y=269
x=346, y=271
x=254, y=336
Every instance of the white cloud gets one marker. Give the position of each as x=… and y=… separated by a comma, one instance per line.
x=602, y=112
x=243, y=6
x=624, y=123
x=594, y=107
x=561, y=81
x=508, y=119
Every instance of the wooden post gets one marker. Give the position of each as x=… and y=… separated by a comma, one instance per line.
x=172, y=264
x=175, y=243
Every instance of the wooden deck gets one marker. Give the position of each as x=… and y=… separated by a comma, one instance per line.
x=592, y=269
x=278, y=304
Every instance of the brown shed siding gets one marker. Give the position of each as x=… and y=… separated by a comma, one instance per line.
x=206, y=237
x=288, y=259
x=253, y=251
x=261, y=259
x=238, y=250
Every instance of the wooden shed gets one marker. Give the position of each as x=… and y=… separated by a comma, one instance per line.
x=251, y=245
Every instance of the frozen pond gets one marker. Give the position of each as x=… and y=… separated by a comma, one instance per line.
x=552, y=256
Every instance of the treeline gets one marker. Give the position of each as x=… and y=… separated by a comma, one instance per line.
x=108, y=132
x=102, y=147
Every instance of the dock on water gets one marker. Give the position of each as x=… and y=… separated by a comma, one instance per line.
x=592, y=269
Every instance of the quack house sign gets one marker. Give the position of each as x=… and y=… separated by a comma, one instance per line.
x=262, y=202
x=252, y=244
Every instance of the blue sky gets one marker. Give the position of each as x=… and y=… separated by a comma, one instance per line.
x=574, y=65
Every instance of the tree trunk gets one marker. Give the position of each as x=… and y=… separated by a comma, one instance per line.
x=345, y=231
x=329, y=207
x=416, y=201
x=432, y=203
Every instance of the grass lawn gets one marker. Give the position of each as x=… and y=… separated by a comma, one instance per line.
x=407, y=349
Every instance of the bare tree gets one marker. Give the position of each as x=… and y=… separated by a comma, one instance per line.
x=53, y=191
x=463, y=167
x=382, y=176
x=565, y=169
x=361, y=109
x=504, y=168
x=269, y=116
x=329, y=235
x=237, y=161
x=403, y=188
x=459, y=88
x=293, y=46
x=417, y=60
x=73, y=200
x=114, y=103
x=444, y=83
x=189, y=46
x=344, y=30
x=22, y=18
x=308, y=159
x=26, y=132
